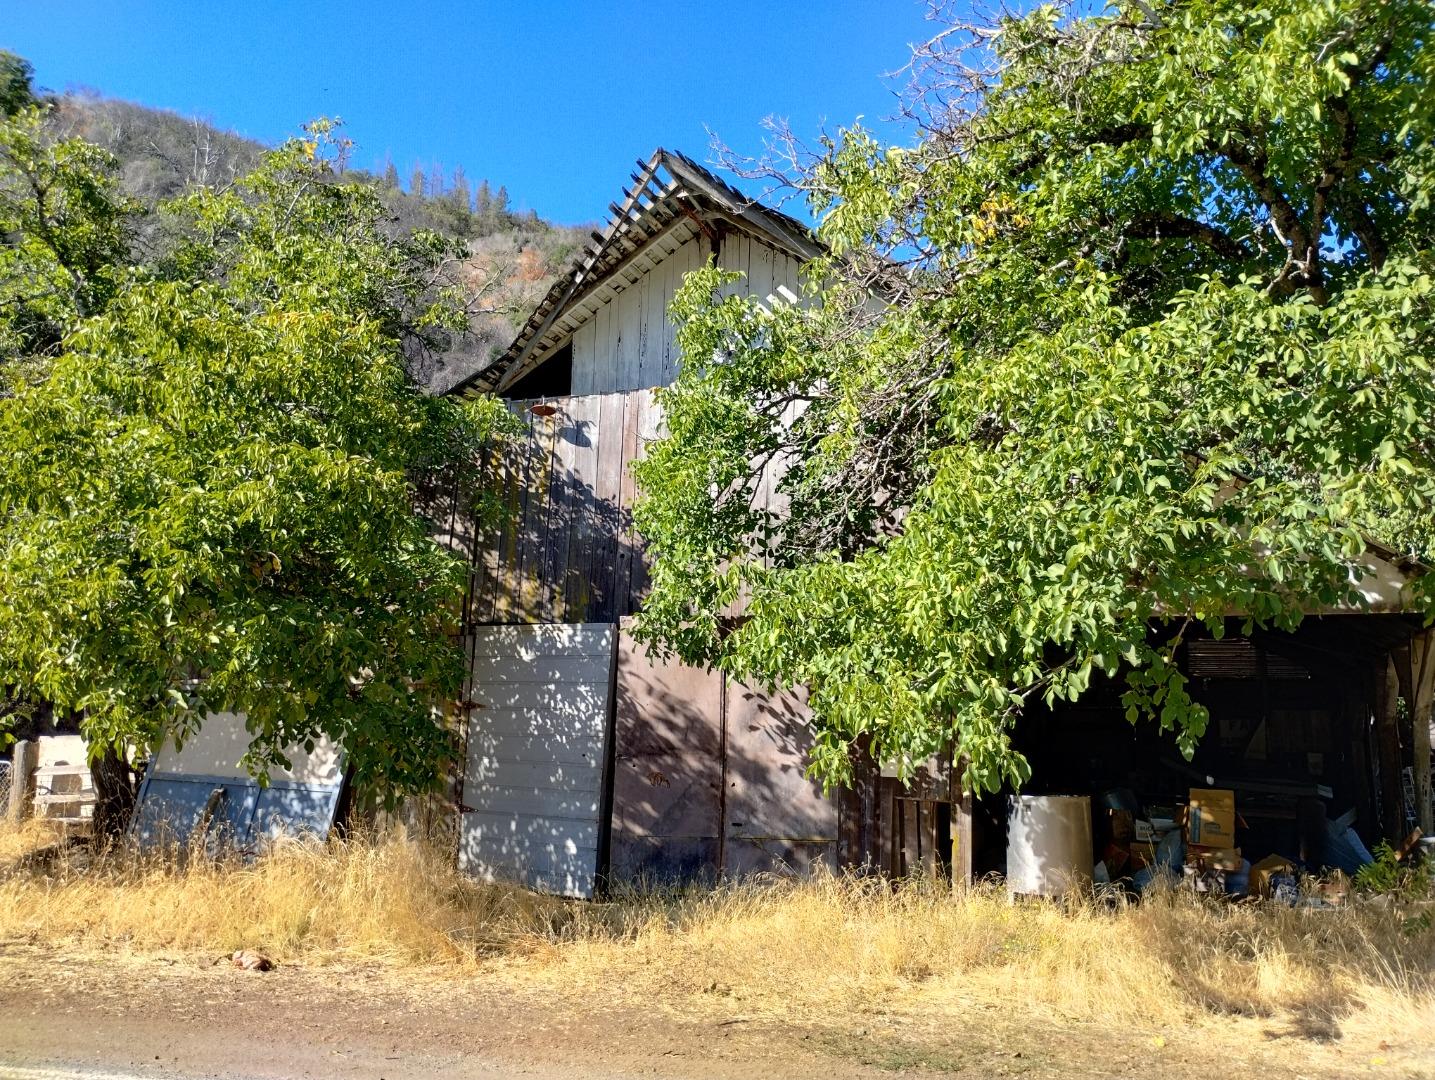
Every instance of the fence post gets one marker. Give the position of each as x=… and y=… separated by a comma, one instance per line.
x=25, y=759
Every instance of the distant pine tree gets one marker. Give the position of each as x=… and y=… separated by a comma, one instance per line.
x=391, y=174
x=500, y=203
x=435, y=184
x=483, y=201
x=416, y=182
x=459, y=191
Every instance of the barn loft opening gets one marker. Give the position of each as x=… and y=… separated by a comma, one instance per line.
x=552, y=378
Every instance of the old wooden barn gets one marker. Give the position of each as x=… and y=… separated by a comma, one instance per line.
x=587, y=761
x=584, y=759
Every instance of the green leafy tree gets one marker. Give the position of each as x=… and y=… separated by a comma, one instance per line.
x=209, y=469
x=1155, y=343
x=66, y=230
x=16, y=89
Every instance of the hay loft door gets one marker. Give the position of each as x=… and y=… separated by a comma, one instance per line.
x=533, y=786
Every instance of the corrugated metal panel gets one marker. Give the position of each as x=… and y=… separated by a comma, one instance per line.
x=533, y=778
x=181, y=783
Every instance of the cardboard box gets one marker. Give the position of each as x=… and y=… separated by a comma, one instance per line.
x=1144, y=850
x=1211, y=818
x=1269, y=867
x=1207, y=859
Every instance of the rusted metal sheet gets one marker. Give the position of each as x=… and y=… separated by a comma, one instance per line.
x=776, y=818
x=667, y=768
x=711, y=778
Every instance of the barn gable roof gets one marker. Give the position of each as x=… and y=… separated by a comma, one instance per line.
x=672, y=200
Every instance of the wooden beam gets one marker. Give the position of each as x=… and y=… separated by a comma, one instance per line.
x=1422, y=712
x=1387, y=745
x=962, y=873
x=24, y=761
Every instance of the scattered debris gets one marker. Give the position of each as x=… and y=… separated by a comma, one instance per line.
x=249, y=960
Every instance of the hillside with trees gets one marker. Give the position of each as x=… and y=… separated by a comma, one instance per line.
x=510, y=256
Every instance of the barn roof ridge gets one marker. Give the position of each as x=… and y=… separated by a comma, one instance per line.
x=669, y=189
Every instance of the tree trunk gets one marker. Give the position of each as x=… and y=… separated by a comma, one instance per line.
x=114, y=794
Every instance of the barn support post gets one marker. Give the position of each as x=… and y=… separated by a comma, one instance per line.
x=1422, y=652
x=24, y=761
x=1387, y=748
x=961, y=828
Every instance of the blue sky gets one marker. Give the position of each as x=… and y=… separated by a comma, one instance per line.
x=555, y=100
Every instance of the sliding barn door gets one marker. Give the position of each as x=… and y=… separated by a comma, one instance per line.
x=537, y=744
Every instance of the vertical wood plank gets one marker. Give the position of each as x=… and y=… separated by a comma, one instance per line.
x=584, y=343
x=602, y=378
x=930, y=865
x=650, y=427
x=627, y=543
x=540, y=479
x=669, y=272
x=608, y=510
x=760, y=269
x=1423, y=656
x=587, y=435
x=649, y=362
x=506, y=581
x=911, y=844
x=630, y=310
x=961, y=830
x=562, y=497
x=1388, y=750
x=684, y=260
x=886, y=830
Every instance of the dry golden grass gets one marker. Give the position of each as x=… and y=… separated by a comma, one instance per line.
x=779, y=949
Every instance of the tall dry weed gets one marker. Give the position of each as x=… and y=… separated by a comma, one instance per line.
x=825, y=943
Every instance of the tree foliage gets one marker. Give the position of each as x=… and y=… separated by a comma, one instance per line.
x=16, y=88
x=1154, y=344
x=209, y=461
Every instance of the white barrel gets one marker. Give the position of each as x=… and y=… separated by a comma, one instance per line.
x=1048, y=844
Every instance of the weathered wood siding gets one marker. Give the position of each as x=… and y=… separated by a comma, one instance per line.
x=768, y=274
x=533, y=799
x=629, y=343
x=566, y=551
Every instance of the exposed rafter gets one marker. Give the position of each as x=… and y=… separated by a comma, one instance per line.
x=670, y=194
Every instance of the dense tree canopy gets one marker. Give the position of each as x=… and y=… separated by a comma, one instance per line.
x=209, y=460
x=1154, y=343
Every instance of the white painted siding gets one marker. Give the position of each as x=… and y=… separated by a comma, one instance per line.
x=630, y=343
x=533, y=780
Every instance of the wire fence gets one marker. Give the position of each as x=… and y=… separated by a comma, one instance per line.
x=7, y=771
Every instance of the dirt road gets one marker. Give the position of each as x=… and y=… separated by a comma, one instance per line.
x=123, y=1018
x=115, y=1017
